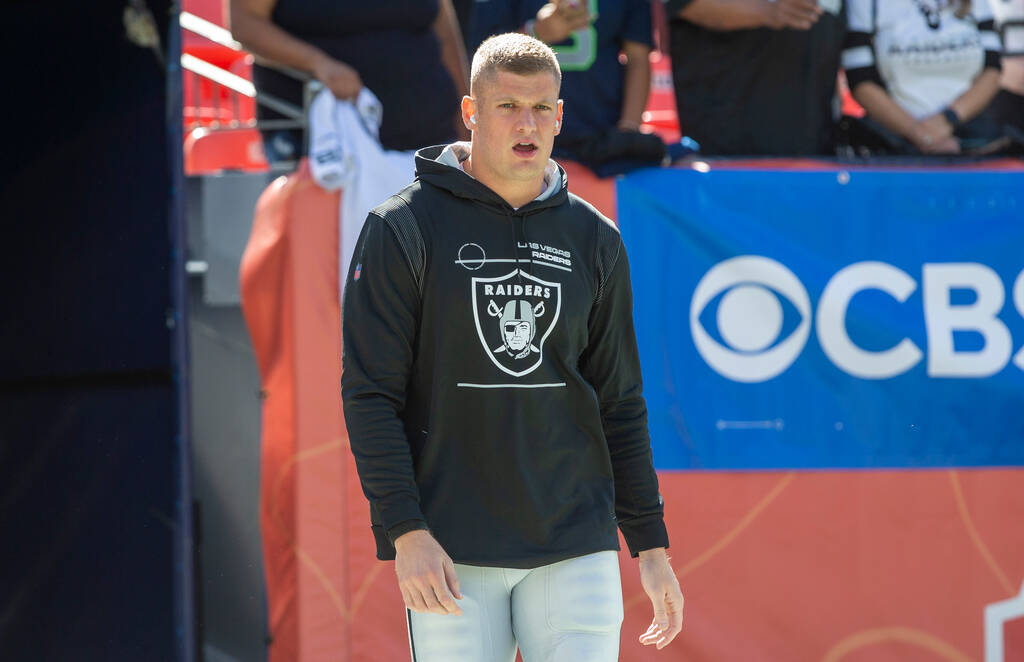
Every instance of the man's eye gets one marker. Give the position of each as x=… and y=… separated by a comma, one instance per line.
x=506, y=105
x=542, y=107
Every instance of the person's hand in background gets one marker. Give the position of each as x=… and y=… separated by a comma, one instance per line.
x=795, y=14
x=557, y=20
x=342, y=80
x=934, y=135
x=725, y=15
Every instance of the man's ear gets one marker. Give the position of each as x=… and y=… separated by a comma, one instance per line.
x=558, y=118
x=469, y=112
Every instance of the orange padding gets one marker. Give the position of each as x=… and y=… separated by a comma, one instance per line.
x=318, y=552
x=812, y=566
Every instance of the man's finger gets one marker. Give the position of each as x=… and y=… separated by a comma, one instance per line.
x=447, y=602
x=660, y=613
x=429, y=599
x=452, y=578
x=674, y=606
x=416, y=600
x=675, y=628
x=652, y=635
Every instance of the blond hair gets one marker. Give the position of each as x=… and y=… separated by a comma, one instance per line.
x=515, y=53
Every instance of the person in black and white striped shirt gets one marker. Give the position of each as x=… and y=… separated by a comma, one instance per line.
x=924, y=69
x=1008, y=107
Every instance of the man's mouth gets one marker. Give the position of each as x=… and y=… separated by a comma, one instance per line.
x=524, y=148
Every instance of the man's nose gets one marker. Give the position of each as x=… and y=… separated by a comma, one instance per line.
x=526, y=121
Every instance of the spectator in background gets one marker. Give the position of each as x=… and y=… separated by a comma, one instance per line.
x=1008, y=106
x=408, y=52
x=607, y=96
x=756, y=77
x=924, y=70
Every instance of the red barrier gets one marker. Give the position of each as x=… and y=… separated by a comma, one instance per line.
x=850, y=566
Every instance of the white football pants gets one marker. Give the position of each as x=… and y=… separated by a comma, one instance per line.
x=570, y=611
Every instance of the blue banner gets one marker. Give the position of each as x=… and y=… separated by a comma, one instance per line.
x=862, y=319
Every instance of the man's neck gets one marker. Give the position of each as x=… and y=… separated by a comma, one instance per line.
x=516, y=194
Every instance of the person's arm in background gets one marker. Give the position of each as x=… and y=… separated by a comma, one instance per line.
x=637, y=42
x=636, y=84
x=746, y=14
x=871, y=95
x=453, y=54
x=252, y=26
x=968, y=105
x=985, y=85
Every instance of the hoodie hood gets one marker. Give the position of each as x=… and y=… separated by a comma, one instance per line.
x=441, y=165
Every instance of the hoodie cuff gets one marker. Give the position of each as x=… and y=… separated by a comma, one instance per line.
x=400, y=529
x=399, y=510
x=644, y=533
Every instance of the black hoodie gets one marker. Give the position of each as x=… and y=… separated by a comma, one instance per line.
x=491, y=379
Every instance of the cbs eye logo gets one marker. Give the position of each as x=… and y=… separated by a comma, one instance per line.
x=750, y=318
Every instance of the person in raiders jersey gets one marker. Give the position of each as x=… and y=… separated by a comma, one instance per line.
x=925, y=70
x=1008, y=106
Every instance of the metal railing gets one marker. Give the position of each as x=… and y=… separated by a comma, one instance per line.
x=239, y=86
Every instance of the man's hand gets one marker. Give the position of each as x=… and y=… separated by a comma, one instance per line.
x=659, y=581
x=934, y=135
x=426, y=574
x=796, y=14
x=558, y=19
x=342, y=80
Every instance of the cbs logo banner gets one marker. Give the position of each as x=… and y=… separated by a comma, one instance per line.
x=791, y=319
x=750, y=316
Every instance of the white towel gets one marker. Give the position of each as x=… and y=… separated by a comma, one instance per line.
x=344, y=152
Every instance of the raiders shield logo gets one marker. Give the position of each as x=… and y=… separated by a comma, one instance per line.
x=515, y=314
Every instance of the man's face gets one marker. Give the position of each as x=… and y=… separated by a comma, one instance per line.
x=517, y=334
x=516, y=125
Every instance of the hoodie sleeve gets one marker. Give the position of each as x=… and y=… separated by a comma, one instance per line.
x=379, y=321
x=611, y=363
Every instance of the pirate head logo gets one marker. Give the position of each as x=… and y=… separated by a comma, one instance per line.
x=518, y=324
x=513, y=319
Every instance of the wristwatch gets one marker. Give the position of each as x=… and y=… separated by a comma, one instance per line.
x=951, y=117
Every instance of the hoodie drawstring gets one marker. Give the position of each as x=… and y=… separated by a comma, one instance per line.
x=515, y=244
x=519, y=239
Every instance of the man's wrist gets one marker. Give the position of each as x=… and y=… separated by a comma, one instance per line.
x=410, y=536
x=654, y=553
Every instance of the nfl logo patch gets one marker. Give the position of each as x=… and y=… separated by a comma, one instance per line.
x=359, y=270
